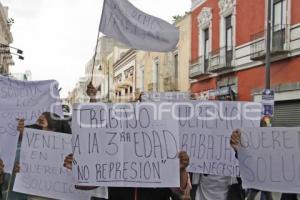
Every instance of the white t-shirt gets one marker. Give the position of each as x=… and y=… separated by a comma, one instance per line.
x=212, y=187
x=37, y=198
x=100, y=192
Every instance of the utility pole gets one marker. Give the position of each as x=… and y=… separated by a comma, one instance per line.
x=268, y=47
x=268, y=95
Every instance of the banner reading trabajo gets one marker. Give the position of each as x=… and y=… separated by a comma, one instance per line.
x=125, y=145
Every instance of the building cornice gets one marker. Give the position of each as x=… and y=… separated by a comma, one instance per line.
x=205, y=18
x=125, y=57
x=226, y=7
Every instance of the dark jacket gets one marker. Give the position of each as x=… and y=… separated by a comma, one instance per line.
x=117, y=193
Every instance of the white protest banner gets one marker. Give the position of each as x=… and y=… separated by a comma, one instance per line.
x=205, y=129
x=269, y=159
x=42, y=172
x=124, y=22
x=210, y=152
x=22, y=100
x=125, y=145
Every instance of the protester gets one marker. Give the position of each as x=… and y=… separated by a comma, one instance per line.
x=182, y=193
x=185, y=182
x=235, y=142
x=212, y=187
x=47, y=122
x=216, y=186
x=9, y=180
x=44, y=122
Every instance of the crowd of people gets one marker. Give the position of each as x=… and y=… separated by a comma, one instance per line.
x=192, y=186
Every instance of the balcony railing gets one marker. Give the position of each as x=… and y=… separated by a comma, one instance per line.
x=221, y=59
x=197, y=68
x=278, y=42
x=195, y=61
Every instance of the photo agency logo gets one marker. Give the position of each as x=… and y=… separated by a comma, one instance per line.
x=102, y=115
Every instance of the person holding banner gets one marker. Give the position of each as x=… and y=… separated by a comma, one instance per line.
x=182, y=193
x=45, y=122
x=51, y=122
x=235, y=141
x=9, y=180
x=216, y=186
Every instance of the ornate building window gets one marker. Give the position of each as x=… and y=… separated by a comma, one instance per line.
x=281, y=15
x=205, y=36
x=227, y=30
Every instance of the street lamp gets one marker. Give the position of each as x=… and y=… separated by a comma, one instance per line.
x=19, y=56
x=5, y=49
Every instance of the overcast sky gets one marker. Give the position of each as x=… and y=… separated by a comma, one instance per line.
x=58, y=36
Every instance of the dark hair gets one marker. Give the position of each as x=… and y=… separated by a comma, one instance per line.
x=57, y=124
x=51, y=121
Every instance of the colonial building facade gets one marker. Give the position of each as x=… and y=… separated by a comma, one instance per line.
x=5, y=40
x=124, y=77
x=165, y=72
x=228, y=52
